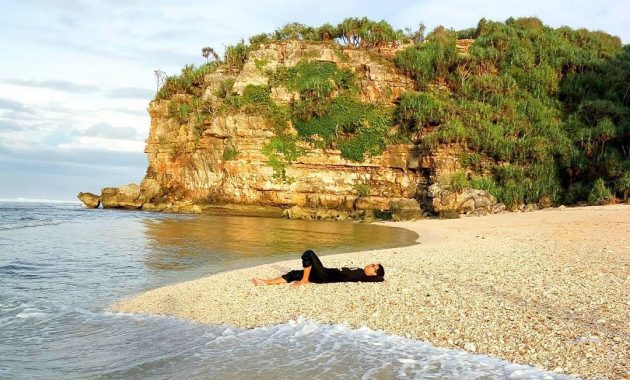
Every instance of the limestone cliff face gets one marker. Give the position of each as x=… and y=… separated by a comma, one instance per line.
x=221, y=162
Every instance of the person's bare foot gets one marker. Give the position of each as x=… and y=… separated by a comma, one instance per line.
x=258, y=281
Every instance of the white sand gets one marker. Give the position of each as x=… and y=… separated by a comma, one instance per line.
x=549, y=288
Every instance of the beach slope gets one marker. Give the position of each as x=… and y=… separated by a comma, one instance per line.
x=549, y=289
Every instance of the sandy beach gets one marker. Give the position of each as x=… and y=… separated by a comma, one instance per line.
x=548, y=288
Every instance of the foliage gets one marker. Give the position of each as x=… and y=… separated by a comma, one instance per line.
x=236, y=55
x=487, y=183
x=548, y=106
x=280, y=152
x=329, y=112
x=225, y=88
x=314, y=78
x=437, y=57
x=416, y=36
x=261, y=63
x=189, y=81
x=600, y=193
x=459, y=181
x=623, y=184
x=365, y=33
x=420, y=109
x=230, y=153
x=208, y=52
x=355, y=32
x=357, y=128
x=362, y=189
x=181, y=111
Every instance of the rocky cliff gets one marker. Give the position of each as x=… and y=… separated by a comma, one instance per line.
x=216, y=159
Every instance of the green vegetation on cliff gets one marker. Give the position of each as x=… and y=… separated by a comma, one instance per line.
x=540, y=114
x=355, y=128
x=548, y=108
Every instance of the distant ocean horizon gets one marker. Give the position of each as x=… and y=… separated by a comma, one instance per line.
x=38, y=200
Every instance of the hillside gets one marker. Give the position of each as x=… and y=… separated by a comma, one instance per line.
x=360, y=120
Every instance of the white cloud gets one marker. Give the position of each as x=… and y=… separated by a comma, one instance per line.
x=58, y=85
x=106, y=130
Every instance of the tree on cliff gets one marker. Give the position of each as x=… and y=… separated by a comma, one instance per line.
x=208, y=52
x=364, y=33
x=160, y=78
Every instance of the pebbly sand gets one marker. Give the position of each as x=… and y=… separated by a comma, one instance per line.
x=549, y=289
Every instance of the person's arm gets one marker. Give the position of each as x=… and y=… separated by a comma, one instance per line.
x=372, y=279
x=304, y=280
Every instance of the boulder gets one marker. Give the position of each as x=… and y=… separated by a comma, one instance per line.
x=497, y=208
x=304, y=213
x=463, y=201
x=126, y=197
x=405, y=209
x=89, y=200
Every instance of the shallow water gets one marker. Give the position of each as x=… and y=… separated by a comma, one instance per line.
x=60, y=265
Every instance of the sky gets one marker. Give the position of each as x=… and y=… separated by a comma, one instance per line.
x=76, y=76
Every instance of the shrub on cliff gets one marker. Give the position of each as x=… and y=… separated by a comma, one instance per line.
x=189, y=81
x=365, y=33
x=356, y=32
x=550, y=102
x=236, y=55
x=436, y=57
x=357, y=129
x=420, y=109
x=280, y=152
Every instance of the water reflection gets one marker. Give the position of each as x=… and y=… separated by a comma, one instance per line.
x=216, y=243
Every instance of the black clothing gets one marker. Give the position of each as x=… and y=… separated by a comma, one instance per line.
x=322, y=275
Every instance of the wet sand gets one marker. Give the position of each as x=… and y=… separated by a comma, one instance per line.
x=549, y=288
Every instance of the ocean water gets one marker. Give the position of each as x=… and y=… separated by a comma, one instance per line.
x=61, y=265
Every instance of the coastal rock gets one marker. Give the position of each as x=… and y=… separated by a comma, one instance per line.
x=405, y=209
x=89, y=200
x=298, y=212
x=497, y=208
x=470, y=347
x=127, y=197
x=462, y=201
x=218, y=159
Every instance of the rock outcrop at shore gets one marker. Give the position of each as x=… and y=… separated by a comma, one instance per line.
x=127, y=197
x=465, y=201
x=89, y=200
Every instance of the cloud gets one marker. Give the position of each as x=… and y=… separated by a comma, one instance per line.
x=83, y=157
x=108, y=131
x=132, y=93
x=14, y=107
x=142, y=112
x=58, y=85
x=11, y=125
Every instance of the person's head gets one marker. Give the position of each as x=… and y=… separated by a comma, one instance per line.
x=375, y=269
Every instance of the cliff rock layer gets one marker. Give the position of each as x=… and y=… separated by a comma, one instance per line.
x=220, y=161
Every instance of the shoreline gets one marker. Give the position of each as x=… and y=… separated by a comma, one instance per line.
x=549, y=289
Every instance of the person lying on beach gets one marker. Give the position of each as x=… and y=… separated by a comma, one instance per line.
x=315, y=272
